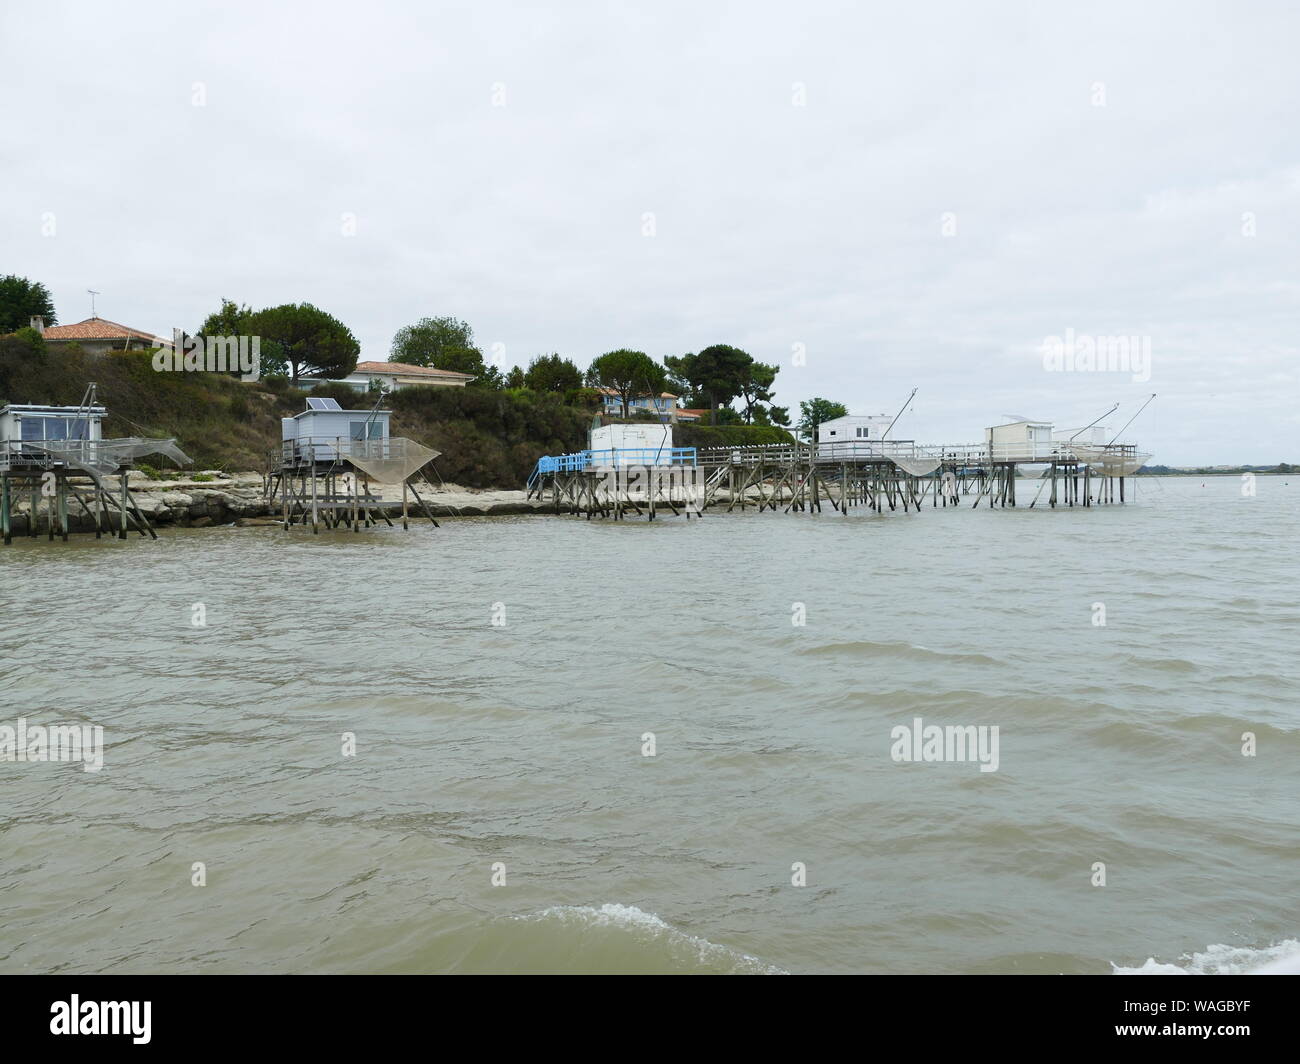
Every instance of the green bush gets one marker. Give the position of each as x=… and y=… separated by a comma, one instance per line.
x=32, y=339
x=696, y=435
x=488, y=438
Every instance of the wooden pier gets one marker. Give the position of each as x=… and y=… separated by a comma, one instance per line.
x=880, y=476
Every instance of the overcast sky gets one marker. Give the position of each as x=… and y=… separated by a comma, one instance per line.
x=912, y=195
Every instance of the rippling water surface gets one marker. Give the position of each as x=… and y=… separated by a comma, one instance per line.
x=522, y=745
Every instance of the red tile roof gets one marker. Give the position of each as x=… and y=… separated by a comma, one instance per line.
x=611, y=391
x=97, y=329
x=408, y=371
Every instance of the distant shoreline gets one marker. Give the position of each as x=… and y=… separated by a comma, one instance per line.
x=1219, y=472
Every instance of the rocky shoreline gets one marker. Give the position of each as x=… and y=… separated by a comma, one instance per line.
x=238, y=499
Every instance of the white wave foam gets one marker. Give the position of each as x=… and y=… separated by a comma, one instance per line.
x=1224, y=960
x=650, y=928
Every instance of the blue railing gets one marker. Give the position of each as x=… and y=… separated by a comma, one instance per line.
x=623, y=456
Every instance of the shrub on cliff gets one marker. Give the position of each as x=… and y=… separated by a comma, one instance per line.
x=692, y=435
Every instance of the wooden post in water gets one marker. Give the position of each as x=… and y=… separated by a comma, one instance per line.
x=61, y=495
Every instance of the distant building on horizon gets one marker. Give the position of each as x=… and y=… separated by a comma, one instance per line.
x=665, y=405
x=397, y=375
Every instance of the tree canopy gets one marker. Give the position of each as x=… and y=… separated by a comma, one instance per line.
x=720, y=374
x=234, y=320
x=21, y=300
x=309, y=339
x=814, y=412
x=443, y=343
x=551, y=373
x=628, y=374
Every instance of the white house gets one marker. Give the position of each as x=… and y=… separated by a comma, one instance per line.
x=390, y=375
x=324, y=431
x=664, y=404
x=1022, y=438
x=852, y=434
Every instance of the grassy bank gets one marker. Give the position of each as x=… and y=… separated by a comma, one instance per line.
x=488, y=439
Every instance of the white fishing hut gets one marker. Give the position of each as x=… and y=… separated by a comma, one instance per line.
x=852, y=434
x=21, y=422
x=1020, y=439
x=641, y=443
x=324, y=432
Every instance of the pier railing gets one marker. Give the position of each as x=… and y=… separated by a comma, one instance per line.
x=915, y=458
x=965, y=453
x=340, y=448
x=581, y=461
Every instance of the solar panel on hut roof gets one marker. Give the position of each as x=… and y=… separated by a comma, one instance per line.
x=323, y=404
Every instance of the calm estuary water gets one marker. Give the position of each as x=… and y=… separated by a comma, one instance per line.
x=521, y=745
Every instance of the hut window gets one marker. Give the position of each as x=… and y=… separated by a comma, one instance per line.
x=359, y=430
x=47, y=428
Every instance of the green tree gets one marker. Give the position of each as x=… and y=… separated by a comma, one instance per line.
x=489, y=377
x=443, y=343
x=309, y=339
x=716, y=376
x=516, y=379
x=628, y=374
x=814, y=412
x=234, y=320
x=21, y=300
x=230, y=320
x=756, y=391
x=771, y=415
x=551, y=373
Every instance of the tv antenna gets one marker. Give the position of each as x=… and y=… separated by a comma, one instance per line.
x=93, y=294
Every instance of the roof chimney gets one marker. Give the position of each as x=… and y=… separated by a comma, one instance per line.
x=38, y=323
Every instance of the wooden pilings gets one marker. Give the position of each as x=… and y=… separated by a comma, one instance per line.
x=52, y=490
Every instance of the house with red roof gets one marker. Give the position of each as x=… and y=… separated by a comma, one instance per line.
x=665, y=405
x=97, y=335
